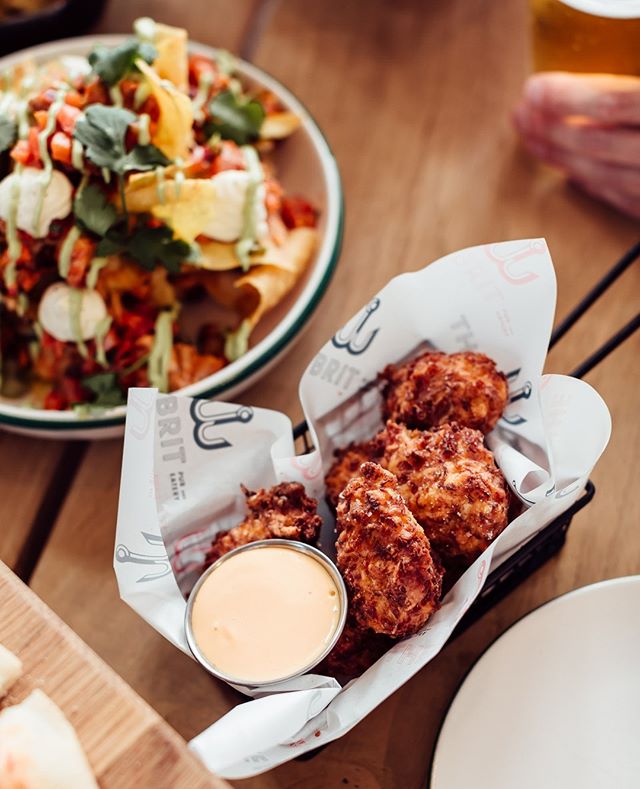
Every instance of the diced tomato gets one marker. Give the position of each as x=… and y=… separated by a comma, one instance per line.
x=129, y=351
x=96, y=93
x=273, y=196
x=25, y=258
x=128, y=88
x=41, y=117
x=199, y=65
x=66, y=393
x=81, y=257
x=61, y=147
x=111, y=340
x=269, y=101
x=27, y=279
x=21, y=152
x=74, y=99
x=298, y=212
x=151, y=108
x=67, y=117
x=230, y=157
x=34, y=146
x=43, y=100
x=54, y=401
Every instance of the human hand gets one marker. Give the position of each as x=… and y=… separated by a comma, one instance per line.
x=588, y=125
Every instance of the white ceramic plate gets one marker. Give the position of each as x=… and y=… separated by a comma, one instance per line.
x=305, y=166
x=554, y=703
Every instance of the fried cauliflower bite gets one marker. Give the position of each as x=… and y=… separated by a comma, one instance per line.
x=451, y=484
x=394, y=580
x=436, y=388
x=283, y=511
x=356, y=651
x=345, y=467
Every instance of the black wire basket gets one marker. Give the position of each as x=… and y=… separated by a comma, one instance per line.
x=547, y=542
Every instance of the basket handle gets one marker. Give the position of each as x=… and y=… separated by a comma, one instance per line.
x=586, y=302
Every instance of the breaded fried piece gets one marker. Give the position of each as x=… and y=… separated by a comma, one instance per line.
x=451, y=484
x=345, y=466
x=394, y=580
x=436, y=388
x=355, y=652
x=283, y=511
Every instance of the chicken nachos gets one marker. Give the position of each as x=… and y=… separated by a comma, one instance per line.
x=143, y=231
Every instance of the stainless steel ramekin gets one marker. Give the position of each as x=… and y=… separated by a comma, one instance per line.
x=256, y=546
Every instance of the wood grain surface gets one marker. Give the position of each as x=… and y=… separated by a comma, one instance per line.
x=415, y=99
x=126, y=742
x=28, y=469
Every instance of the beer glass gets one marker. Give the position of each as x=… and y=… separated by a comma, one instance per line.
x=597, y=36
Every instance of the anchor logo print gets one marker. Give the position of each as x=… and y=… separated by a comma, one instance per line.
x=508, y=262
x=140, y=416
x=125, y=556
x=353, y=341
x=523, y=393
x=204, y=432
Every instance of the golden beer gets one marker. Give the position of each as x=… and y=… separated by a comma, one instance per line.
x=598, y=36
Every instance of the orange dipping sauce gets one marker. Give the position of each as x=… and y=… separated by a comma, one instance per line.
x=266, y=613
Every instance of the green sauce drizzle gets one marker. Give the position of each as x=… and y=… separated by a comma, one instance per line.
x=204, y=83
x=64, y=258
x=141, y=95
x=144, y=138
x=116, y=96
x=102, y=328
x=236, y=343
x=160, y=184
x=75, y=312
x=77, y=154
x=248, y=236
x=23, y=303
x=160, y=356
x=179, y=177
x=94, y=269
x=43, y=149
x=14, y=247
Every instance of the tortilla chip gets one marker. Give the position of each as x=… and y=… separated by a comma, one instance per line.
x=260, y=289
x=219, y=256
x=174, y=133
x=279, y=125
x=171, y=63
x=186, y=207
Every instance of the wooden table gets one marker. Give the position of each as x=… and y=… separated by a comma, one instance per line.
x=415, y=99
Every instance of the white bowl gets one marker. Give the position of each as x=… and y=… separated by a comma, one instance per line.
x=305, y=166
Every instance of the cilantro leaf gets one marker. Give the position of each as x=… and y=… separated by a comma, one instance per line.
x=111, y=64
x=235, y=119
x=157, y=244
x=93, y=211
x=144, y=157
x=102, y=131
x=148, y=246
x=110, y=246
x=105, y=388
x=8, y=133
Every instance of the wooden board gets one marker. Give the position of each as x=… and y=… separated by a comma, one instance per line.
x=415, y=100
x=126, y=742
x=181, y=691
x=29, y=496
